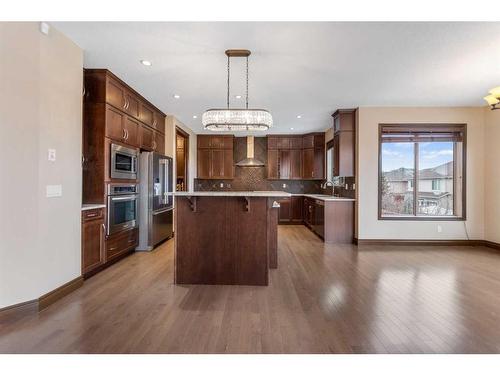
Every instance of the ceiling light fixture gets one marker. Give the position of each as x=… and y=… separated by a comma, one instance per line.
x=237, y=119
x=146, y=62
x=299, y=116
x=238, y=96
x=176, y=96
x=493, y=98
x=195, y=116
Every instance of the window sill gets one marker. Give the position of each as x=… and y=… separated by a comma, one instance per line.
x=422, y=218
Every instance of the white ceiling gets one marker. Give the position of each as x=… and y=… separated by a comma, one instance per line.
x=307, y=69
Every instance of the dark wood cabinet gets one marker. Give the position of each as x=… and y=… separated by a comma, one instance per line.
x=284, y=157
x=132, y=130
x=308, y=212
x=159, y=142
x=114, y=124
x=147, y=138
x=344, y=142
x=92, y=239
x=313, y=156
x=291, y=210
x=121, y=243
x=215, y=157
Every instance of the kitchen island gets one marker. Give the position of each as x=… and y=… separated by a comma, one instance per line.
x=225, y=237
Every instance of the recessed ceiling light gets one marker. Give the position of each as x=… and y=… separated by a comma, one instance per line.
x=238, y=96
x=291, y=128
x=195, y=116
x=176, y=96
x=299, y=116
x=146, y=62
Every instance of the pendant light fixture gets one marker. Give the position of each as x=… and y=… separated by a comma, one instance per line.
x=237, y=119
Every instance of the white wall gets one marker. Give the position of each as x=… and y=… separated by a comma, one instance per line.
x=40, y=108
x=368, y=225
x=170, y=126
x=492, y=175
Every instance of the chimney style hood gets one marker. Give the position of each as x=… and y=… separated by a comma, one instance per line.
x=250, y=161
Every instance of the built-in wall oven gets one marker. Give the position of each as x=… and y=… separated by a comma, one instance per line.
x=123, y=162
x=122, y=207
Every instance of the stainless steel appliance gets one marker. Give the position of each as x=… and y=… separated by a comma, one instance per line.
x=156, y=200
x=123, y=162
x=122, y=207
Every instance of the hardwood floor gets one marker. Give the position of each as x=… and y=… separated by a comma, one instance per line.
x=321, y=299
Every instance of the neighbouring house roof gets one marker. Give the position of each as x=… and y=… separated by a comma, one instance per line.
x=406, y=174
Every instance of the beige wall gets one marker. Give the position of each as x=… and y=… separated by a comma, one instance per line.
x=171, y=124
x=40, y=108
x=369, y=227
x=492, y=175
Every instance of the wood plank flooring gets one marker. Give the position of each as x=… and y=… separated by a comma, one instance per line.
x=321, y=299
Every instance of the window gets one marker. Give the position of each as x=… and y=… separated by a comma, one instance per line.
x=437, y=190
x=329, y=161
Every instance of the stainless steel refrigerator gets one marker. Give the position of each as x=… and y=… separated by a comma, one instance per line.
x=156, y=200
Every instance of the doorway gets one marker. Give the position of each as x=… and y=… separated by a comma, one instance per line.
x=181, y=159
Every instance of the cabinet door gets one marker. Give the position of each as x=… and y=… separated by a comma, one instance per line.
x=203, y=141
x=346, y=153
x=159, y=142
x=283, y=143
x=284, y=164
x=319, y=163
x=296, y=164
x=296, y=209
x=228, y=164
x=217, y=164
x=336, y=154
x=284, y=214
x=204, y=161
x=114, y=124
x=92, y=244
x=308, y=141
x=132, y=105
x=319, y=140
x=296, y=143
x=132, y=131
x=272, y=164
x=159, y=122
x=272, y=143
x=146, y=114
x=115, y=94
x=147, y=138
x=307, y=163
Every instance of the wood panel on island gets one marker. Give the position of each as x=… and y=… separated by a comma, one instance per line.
x=113, y=113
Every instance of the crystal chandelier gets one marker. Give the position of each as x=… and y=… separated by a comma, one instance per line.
x=237, y=119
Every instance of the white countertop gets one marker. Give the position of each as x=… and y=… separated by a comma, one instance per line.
x=232, y=194
x=92, y=206
x=327, y=198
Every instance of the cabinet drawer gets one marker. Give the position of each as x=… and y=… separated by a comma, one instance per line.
x=120, y=243
x=93, y=214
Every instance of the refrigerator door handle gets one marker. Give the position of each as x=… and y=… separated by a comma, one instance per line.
x=165, y=188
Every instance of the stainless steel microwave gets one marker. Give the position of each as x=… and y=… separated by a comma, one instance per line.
x=123, y=162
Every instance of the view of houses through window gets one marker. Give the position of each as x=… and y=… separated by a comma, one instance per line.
x=433, y=190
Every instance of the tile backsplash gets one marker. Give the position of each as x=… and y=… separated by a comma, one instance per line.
x=255, y=178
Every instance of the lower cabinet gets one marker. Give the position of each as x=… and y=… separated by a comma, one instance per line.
x=290, y=211
x=121, y=243
x=93, y=236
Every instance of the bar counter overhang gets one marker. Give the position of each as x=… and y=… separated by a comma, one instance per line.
x=226, y=237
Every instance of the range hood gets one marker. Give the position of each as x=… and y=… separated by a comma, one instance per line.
x=250, y=161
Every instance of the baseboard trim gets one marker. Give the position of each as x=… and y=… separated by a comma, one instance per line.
x=56, y=294
x=489, y=244
x=13, y=313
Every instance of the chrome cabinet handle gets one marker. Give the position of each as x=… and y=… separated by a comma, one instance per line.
x=154, y=145
x=124, y=134
x=124, y=106
x=103, y=233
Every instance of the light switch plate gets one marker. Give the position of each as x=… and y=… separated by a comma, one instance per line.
x=51, y=154
x=53, y=191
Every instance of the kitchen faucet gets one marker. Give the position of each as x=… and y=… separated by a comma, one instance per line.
x=326, y=184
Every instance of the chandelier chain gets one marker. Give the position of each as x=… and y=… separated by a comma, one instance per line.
x=228, y=58
x=247, y=82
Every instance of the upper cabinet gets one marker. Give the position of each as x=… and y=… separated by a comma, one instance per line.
x=344, y=141
x=296, y=157
x=313, y=156
x=215, y=156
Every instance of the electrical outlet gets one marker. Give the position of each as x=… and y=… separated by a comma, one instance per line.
x=284, y=186
x=439, y=228
x=353, y=186
x=221, y=184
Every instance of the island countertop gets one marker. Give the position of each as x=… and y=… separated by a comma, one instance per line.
x=270, y=194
